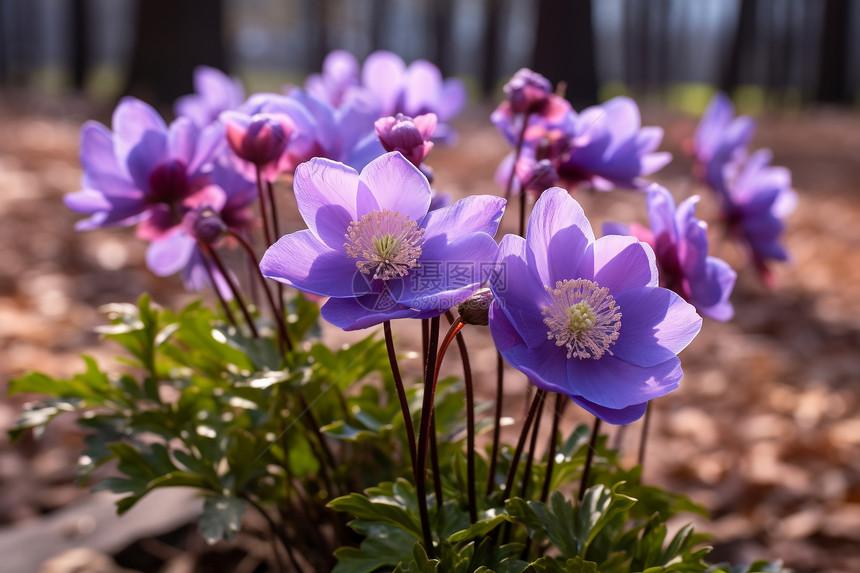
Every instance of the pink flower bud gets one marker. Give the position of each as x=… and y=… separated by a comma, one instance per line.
x=409, y=136
x=260, y=139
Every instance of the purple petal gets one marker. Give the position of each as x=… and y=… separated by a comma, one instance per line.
x=519, y=292
x=619, y=417
x=450, y=271
x=614, y=383
x=364, y=311
x=622, y=263
x=452, y=99
x=182, y=140
x=396, y=185
x=326, y=197
x=383, y=75
x=710, y=295
x=656, y=324
x=170, y=254
x=209, y=142
x=476, y=213
x=132, y=119
x=423, y=88
x=301, y=260
x=557, y=212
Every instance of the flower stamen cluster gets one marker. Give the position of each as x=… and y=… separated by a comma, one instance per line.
x=583, y=317
x=386, y=243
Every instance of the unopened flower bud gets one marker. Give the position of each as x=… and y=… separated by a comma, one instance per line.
x=260, y=139
x=528, y=91
x=476, y=309
x=409, y=136
x=207, y=226
x=537, y=176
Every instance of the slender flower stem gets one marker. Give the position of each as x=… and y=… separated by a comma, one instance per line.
x=279, y=533
x=264, y=211
x=401, y=395
x=434, y=463
x=423, y=431
x=283, y=334
x=586, y=469
x=224, y=306
x=531, y=455
x=560, y=405
x=497, y=417
x=646, y=426
x=470, y=423
x=232, y=285
x=270, y=192
x=518, y=452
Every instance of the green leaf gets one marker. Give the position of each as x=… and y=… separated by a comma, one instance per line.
x=480, y=528
x=221, y=518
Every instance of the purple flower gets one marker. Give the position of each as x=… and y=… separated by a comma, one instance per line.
x=261, y=139
x=756, y=203
x=604, y=146
x=680, y=243
x=215, y=92
x=720, y=141
x=372, y=246
x=206, y=215
x=528, y=92
x=409, y=136
x=585, y=317
x=142, y=170
x=339, y=79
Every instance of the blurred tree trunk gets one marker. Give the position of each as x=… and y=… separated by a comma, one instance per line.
x=833, y=56
x=4, y=48
x=442, y=33
x=316, y=18
x=174, y=37
x=490, y=43
x=378, y=21
x=636, y=42
x=79, y=53
x=739, y=52
x=564, y=48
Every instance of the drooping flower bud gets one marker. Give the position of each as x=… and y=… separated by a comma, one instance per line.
x=258, y=139
x=409, y=136
x=476, y=309
x=207, y=225
x=528, y=91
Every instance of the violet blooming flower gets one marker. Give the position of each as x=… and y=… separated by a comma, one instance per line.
x=719, y=143
x=756, y=204
x=372, y=246
x=339, y=79
x=141, y=171
x=215, y=92
x=585, y=317
x=206, y=216
x=680, y=243
x=409, y=136
x=604, y=146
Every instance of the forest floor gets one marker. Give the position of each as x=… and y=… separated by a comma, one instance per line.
x=764, y=431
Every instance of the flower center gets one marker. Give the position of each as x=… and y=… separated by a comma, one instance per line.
x=583, y=317
x=386, y=244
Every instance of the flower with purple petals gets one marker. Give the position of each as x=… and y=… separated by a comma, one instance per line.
x=584, y=316
x=680, y=243
x=340, y=79
x=215, y=92
x=409, y=136
x=755, y=206
x=720, y=141
x=373, y=247
x=143, y=170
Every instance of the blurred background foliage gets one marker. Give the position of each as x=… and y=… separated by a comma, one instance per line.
x=789, y=53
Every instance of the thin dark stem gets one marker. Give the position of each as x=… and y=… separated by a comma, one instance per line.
x=283, y=334
x=434, y=463
x=264, y=215
x=560, y=404
x=646, y=426
x=527, y=470
x=279, y=533
x=270, y=191
x=233, y=288
x=517, y=151
x=586, y=469
x=423, y=431
x=497, y=425
x=518, y=452
x=401, y=395
x=470, y=423
x=224, y=306
x=308, y=414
